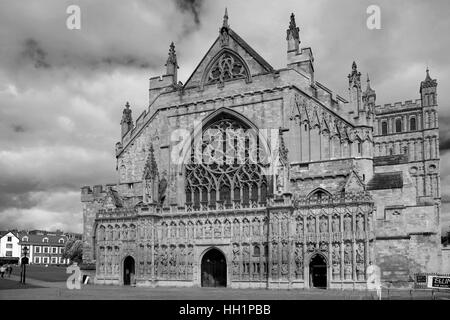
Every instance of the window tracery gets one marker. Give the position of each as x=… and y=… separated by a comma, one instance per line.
x=229, y=169
x=227, y=67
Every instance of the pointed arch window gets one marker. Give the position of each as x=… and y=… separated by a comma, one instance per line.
x=226, y=66
x=226, y=171
x=412, y=124
x=384, y=128
x=398, y=125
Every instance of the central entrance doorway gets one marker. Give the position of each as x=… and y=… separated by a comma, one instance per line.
x=318, y=272
x=128, y=271
x=214, y=269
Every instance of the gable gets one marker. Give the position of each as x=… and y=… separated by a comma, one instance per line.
x=236, y=53
x=354, y=183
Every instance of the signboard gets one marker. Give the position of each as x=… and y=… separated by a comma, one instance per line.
x=421, y=278
x=438, y=282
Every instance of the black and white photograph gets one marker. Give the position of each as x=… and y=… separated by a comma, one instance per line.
x=195, y=150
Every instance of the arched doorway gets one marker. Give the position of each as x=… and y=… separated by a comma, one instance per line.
x=214, y=269
x=128, y=271
x=318, y=272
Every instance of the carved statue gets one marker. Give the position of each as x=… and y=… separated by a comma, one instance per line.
x=227, y=229
x=246, y=229
x=255, y=228
x=311, y=225
x=208, y=230
x=298, y=259
x=275, y=251
x=235, y=252
x=347, y=224
x=360, y=253
x=265, y=227
x=336, y=254
x=284, y=227
x=335, y=225
x=360, y=223
x=245, y=252
x=299, y=226
x=217, y=229
x=347, y=254
x=236, y=231
x=285, y=253
x=323, y=225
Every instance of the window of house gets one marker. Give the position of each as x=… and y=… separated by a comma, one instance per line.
x=37, y=249
x=54, y=250
x=412, y=124
x=398, y=125
x=54, y=260
x=45, y=240
x=61, y=250
x=61, y=240
x=45, y=260
x=359, y=147
x=9, y=253
x=266, y=250
x=9, y=239
x=37, y=259
x=384, y=128
x=9, y=246
x=25, y=239
x=45, y=249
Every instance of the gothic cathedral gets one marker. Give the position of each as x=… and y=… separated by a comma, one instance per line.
x=248, y=176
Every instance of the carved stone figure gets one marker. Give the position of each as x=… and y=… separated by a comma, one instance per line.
x=245, y=252
x=311, y=224
x=336, y=254
x=335, y=225
x=236, y=231
x=347, y=254
x=255, y=228
x=323, y=225
x=235, y=252
x=285, y=253
x=360, y=253
x=227, y=229
x=347, y=223
x=284, y=227
x=246, y=229
x=299, y=226
x=217, y=229
x=360, y=223
x=208, y=229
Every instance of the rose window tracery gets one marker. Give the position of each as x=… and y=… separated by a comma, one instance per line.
x=225, y=165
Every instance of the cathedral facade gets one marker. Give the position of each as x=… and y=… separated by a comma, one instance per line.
x=250, y=176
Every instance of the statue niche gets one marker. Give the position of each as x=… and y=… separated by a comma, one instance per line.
x=154, y=189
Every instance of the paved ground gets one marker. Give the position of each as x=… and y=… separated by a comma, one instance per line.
x=58, y=290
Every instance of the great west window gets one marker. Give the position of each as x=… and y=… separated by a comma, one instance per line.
x=225, y=165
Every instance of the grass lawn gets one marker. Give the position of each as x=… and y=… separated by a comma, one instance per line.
x=6, y=284
x=50, y=273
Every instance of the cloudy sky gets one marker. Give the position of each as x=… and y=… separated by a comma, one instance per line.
x=62, y=91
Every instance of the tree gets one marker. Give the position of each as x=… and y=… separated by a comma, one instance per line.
x=74, y=251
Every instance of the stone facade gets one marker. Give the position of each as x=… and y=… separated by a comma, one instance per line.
x=355, y=183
